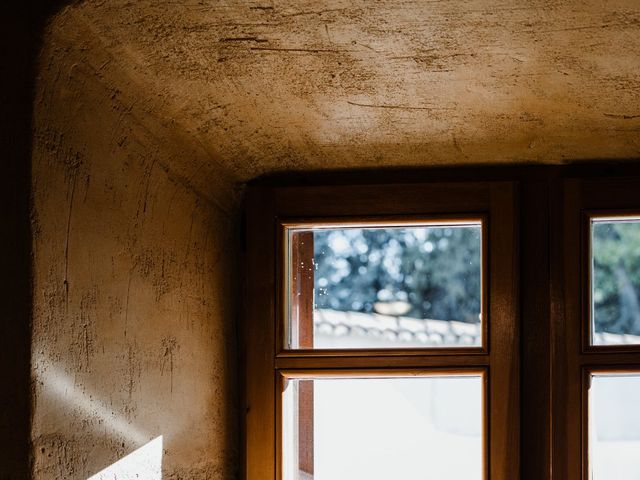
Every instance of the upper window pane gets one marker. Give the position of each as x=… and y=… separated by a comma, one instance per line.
x=385, y=286
x=615, y=281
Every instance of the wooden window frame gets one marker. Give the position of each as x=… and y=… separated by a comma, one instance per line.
x=586, y=308
x=585, y=199
x=282, y=274
x=269, y=208
x=553, y=356
x=363, y=373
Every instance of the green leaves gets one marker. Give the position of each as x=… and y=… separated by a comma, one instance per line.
x=435, y=269
x=616, y=277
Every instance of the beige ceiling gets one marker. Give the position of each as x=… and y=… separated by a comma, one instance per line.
x=274, y=85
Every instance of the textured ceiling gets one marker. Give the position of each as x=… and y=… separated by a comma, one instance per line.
x=327, y=84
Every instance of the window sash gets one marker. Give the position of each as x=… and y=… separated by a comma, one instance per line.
x=267, y=206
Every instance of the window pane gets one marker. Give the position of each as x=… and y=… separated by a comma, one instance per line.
x=615, y=290
x=614, y=427
x=385, y=287
x=383, y=428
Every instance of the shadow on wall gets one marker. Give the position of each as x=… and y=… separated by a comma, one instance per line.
x=22, y=24
x=134, y=272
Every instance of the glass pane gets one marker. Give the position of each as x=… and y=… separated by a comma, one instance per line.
x=385, y=287
x=383, y=428
x=615, y=289
x=614, y=427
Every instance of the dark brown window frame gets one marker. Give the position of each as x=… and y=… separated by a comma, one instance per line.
x=549, y=207
x=583, y=199
x=281, y=302
x=587, y=216
x=268, y=208
x=363, y=373
x=289, y=303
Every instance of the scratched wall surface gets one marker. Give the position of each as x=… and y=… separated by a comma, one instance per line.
x=282, y=85
x=134, y=326
x=149, y=115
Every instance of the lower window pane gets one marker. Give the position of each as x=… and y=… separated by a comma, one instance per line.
x=406, y=428
x=614, y=427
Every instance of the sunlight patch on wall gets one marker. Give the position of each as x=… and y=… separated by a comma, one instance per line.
x=144, y=463
x=59, y=384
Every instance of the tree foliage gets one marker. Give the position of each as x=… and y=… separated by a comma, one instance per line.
x=435, y=270
x=616, y=277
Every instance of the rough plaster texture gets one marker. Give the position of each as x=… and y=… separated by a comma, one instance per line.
x=133, y=321
x=282, y=85
x=147, y=117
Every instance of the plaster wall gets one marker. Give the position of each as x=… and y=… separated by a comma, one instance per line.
x=279, y=85
x=147, y=115
x=133, y=274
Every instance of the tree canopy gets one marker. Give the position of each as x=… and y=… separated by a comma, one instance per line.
x=616, y=277
x=435, y=272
